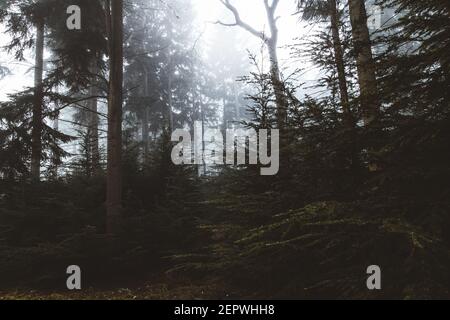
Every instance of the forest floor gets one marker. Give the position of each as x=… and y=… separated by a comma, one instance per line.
x=159, y=291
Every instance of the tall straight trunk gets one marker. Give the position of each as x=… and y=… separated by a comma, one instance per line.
x=224, y=116
x=203, y=138
x=275, y=73
x=145, y=118
x=170, y=70
x=114, y=168
x=54, y=170
x=339, y=60
x=237, y=105
x=37, y=125
x=93, y=127
x=364, y=61
x=280, y=95
x=169, y=89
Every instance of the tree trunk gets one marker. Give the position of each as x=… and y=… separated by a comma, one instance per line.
x=278, y=86
x=364, y=61
x=114, y=168
x=280, y=98
x=145, y=118
x=169, y=89
x=275, y=73
x=93, y=127
x=36, y=134
x=203, y=138
x=55, y=159
x=339, y=60
x=237, y=103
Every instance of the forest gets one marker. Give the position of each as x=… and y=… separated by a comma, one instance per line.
x=335, y=117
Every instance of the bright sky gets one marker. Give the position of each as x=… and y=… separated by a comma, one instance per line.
x=252, y=12
x=23, y=73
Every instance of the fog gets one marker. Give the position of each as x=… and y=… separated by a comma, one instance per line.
x=210, y=40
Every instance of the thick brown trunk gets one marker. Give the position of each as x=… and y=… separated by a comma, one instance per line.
x=36, y=134
x=114, y=170
x=339, y=60
x=364, y=61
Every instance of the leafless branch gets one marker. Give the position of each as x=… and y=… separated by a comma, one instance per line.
x=239, y=22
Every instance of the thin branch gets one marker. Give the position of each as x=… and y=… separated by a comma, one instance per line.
x=239, y=22
x=225, y=24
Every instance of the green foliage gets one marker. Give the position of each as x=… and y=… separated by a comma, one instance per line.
x=312, y=233
x=309, y=232
x=15, y=134
x=45, y=228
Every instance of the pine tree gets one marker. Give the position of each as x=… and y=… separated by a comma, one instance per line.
x=115, y=100
x=370, y=100
x=36, y=148
x=320, y=9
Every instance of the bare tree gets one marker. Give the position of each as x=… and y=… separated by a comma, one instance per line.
x=271, y=43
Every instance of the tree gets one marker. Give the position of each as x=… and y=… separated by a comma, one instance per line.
x=20, y=17
x=78, y=63
x=370, y=102
x=271, y=44
x=93, y=129
x=319, y=9
x=164, y=78
x=414, y=65
x=114, y=167
x=36, y=147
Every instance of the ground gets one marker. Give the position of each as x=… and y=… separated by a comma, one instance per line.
x=161, y=291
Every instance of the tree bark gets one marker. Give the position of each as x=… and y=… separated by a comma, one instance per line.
x=114, y=167
x=169, y=91
x=55, y=168
x=275, y=73
x=278, y=86
x=37, y=125
x=203, y=138
x=364, y=61
x=145, y=118
x=339, y=60
x=93, y=127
